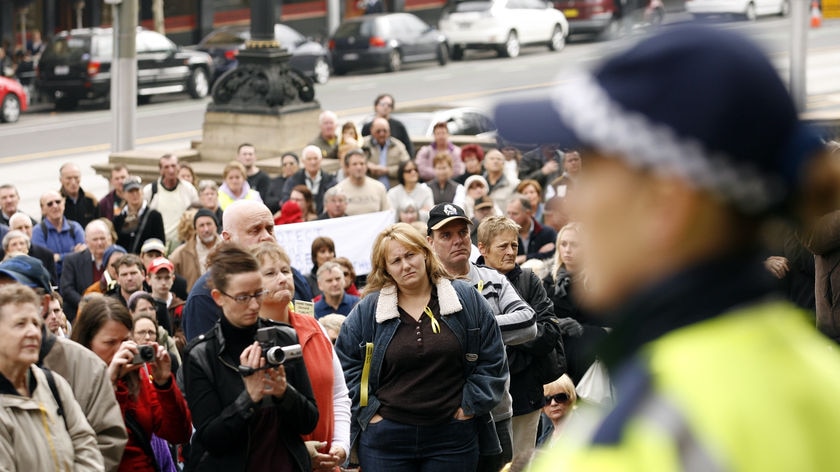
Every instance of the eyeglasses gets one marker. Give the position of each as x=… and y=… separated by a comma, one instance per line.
x=147, y=334
x=245, y=299
x=559, y=398
x=53, y=203
x=409, y=171
x=387, y=104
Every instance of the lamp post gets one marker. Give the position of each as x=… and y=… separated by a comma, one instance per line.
x=263, y=82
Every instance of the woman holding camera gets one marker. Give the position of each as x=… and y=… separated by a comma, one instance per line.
x=248, y=416
x=142, y=376
x=329, y=442
x=424, y=361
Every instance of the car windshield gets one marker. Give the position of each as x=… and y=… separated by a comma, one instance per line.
x=70, y=48
x=226, y=37
x=355, y=28
x=471, y=6
x=287, y=36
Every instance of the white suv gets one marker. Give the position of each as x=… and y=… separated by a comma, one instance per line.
x=503, y=25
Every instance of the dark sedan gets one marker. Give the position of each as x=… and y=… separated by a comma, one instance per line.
x=308, y=56
x=386, y=40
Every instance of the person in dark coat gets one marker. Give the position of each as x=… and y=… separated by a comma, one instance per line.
x=137, y=222
x=246, y=418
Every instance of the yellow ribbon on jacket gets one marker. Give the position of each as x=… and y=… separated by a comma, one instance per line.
x=435, y=324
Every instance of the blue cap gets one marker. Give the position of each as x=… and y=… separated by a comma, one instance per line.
x=694, y=102
x=28, y=271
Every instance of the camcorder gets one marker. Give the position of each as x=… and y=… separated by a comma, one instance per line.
x=145, y=353
x=279, y=345
x=274, y=341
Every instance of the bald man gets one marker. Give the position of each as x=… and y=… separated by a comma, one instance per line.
x=247, y=223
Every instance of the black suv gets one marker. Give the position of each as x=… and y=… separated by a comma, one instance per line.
x=77, y=65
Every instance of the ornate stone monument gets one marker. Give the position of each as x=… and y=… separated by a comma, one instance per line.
x=262, y=101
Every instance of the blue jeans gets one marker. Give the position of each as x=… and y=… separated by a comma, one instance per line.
x=389, y=446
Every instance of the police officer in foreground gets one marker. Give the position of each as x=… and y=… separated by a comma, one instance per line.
x=693, y=145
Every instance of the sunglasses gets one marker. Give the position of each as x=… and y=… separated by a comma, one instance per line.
x=409, y=171
x=559, y=398
x=53, y=203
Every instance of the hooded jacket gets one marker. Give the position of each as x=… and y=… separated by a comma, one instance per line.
x=35, y=437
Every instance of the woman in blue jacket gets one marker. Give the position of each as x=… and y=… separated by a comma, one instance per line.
x=423, y=359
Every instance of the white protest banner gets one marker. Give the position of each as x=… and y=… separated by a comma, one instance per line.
x=353, y=236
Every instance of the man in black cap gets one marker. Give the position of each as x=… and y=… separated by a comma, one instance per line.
x=84, y=370
x=693, y=146
x=190, y=258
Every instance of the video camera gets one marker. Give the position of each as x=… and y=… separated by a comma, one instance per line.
x=279, y=345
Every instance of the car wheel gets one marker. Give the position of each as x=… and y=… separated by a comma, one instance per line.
x=749, y=13
x=784, y=9
x=557, y=40
x=394, y=61
x=457, y=53
x=511, y=46
x=199, y=84
x=442, y=54
x=66, y=103
x=10, y=109
x=322, y=71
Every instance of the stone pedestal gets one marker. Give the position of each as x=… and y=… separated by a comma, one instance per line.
x=272, y=134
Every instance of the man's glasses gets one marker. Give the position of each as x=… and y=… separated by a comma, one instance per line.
x=559, y=398
x=53, y=203
x=245, y=299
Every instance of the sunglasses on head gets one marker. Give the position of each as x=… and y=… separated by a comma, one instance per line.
x=559, y=398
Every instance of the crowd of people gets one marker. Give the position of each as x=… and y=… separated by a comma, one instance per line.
x=516, y=299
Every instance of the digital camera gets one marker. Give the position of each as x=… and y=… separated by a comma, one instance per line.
x=144, y=354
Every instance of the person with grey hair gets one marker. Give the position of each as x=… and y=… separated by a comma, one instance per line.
x=331, y=284
x=316, y=179
x=22, y=222
x=208, y=195
x=537, y=240
x=384, y=152
x=335, y=204
x=14, y=243
x=327, y=139
x=84, y=268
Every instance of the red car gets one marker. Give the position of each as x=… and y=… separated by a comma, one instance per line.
x=12, y=100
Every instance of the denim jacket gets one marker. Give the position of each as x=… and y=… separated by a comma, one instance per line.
x=375, y=320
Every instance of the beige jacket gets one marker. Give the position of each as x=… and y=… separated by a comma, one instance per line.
x=396, y=154
x=88, y=375
x=33, y=436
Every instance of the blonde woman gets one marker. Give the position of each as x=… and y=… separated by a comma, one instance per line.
x=235, y=186
x=413, y=412
x=564, y=286
x=560, y=399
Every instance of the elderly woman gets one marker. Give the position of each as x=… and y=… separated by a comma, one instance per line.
x=42, y=427
x=235, y=186
x=208, y=197
x=15, y=242
x=150, y=401
x=423, y=359
x=560, y=399
x=248, y=416
x=329, y=442
x=411, y=190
